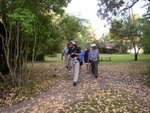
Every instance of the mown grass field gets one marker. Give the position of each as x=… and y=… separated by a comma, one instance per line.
x=115, y=58
x=121, y=58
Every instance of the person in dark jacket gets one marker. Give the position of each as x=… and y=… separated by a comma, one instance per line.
x=87, y=62
x=73, y=54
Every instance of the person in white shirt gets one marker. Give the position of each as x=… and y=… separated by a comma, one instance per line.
x=65, y=54
x=94, y=60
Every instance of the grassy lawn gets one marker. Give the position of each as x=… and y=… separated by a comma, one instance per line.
x=115, y=58
x=121, y=58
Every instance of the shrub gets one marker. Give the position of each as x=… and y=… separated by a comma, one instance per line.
x=52, y=55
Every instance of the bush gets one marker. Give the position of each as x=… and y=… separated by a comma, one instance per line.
x=52, y=55
x=40, y=57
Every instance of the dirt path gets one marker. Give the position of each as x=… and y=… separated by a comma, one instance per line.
x=63, y=93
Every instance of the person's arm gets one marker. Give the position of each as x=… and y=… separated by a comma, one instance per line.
x=84, y=56
x=68, y=56
x=76, y=53
x=98, y=56
x=89, y=57
x=62, y=54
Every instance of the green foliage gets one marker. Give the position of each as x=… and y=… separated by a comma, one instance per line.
x=129, y=32
x=40, y=57
x=30, y=31
x=25, y=18
x=86, y=36
x=52, y=55
x=71, y=25
x=108, y=9
x=35, y=28
x=146, y=34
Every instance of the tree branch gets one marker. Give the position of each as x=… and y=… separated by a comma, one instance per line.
x=130, y=6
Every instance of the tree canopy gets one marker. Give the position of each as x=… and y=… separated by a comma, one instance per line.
x=115, y=8
x=34, y=29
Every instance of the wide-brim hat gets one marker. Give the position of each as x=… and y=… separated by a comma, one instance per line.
x=93, y=45
x=73, y=42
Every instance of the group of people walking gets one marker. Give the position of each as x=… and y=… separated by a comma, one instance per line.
x=74, y=58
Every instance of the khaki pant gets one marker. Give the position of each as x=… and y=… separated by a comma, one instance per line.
x=94, y=67
x=75, y=68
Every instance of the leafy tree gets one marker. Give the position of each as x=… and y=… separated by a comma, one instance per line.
x=146, y=34
x=24, y=23
x=145, y=21
x=128, y=31
x=110, y=8
x=86, y=36
x=147, y=13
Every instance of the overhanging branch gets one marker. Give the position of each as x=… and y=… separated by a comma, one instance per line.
x=130, y=6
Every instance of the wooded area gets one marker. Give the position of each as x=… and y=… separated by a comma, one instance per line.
x=31, y=29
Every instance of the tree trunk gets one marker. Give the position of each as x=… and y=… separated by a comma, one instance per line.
x=135, y=53
x=135, y=57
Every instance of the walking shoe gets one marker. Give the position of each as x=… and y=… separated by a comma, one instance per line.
x=69, y=73
x=74, y=83
x=67, y=67
x=96, y=76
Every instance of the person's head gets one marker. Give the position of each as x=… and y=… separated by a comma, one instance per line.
x=73, y=43
x=88, y=48
x=93, y=46
x=68, y=45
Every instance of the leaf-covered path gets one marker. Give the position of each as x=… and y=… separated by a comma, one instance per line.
x=118, y=77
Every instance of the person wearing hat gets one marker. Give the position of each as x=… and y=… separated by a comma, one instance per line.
x=65, y=54
x=81, y=57
x=87, y=62
x=94, y=60
x=73, y=54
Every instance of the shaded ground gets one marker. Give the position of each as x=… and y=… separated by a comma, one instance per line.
x=128, y=77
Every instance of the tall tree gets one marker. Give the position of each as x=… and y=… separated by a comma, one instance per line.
x=110, y=8
x=23, y=22
x=145, y=28
x=128, y=31
x=146, y=34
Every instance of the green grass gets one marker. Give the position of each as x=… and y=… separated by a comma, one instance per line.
x=53, y=59
x=115, y=58
x=121, y=58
